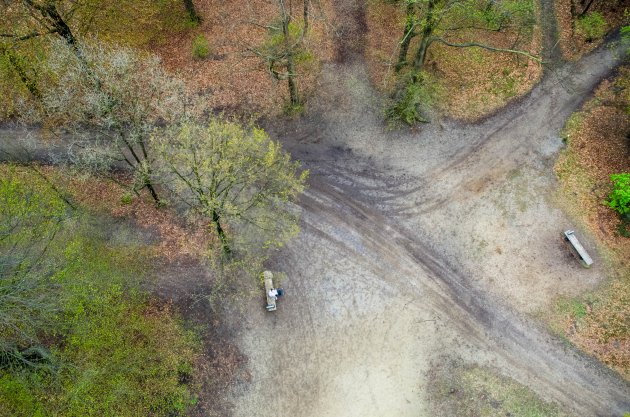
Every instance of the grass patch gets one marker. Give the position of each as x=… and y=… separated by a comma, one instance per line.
x=591, y=26
x=474, y=391
x=115, y=350
x=200, y=47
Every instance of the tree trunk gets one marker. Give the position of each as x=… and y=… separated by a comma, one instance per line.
x=588, y=6
x=407, y=36
x=421, y=54
x=154, y=193
x=425, y=42
x=306, y=5
x=221, y=233
x=51, y=15
x=15, y=63
x=293, y=91
x=192, y=12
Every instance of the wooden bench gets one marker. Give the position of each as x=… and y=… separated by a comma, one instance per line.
x=577, y=249
x=271, y=301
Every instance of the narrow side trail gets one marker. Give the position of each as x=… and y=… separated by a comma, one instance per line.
x=416, y=247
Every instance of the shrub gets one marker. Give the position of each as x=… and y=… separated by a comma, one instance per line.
x=412, y=99
x=126, y=199
x=200, y=47
x=619, y=198
x=591, y=26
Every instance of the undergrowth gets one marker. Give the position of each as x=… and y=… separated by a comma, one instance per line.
x=114, y=351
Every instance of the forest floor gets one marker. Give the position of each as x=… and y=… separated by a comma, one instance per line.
x=425, y=254
x=598, y=146
x=467, y=83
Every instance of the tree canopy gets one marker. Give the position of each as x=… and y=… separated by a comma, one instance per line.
x=455, y=23
x=235, y=177
x=110, y=100
x=29, y=220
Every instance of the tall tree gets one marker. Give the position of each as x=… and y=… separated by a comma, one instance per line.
x=110, y=101
x=457, y=23
x=30, y=218
x=33, y=18
x=27, y=26
x=25, y=20
x=235, y=177
x=284, y=47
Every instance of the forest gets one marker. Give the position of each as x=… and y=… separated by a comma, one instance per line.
x=405, y=168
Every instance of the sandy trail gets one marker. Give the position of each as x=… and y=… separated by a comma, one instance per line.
x=417, y=246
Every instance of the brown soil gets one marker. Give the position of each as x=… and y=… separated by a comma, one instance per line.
x=233, y=78
x=420, y=244
x=179, y=278
x=417, y=245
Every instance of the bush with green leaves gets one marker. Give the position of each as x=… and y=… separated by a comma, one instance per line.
x=412, y=100
x=200, y=47
x=234, y=177
x=619, y=198
x=591, y=26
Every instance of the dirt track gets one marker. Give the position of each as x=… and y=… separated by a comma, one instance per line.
x=421, y=246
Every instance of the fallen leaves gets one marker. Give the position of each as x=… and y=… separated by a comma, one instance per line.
x=573, y=45
x=233, y=78
x=597, y=147
x=473, y=82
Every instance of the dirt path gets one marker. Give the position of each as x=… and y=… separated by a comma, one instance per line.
x=417, y=246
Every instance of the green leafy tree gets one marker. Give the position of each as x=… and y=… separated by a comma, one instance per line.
x=619, y=198
x=30, y=218
x=412, y=99
x=236, y=177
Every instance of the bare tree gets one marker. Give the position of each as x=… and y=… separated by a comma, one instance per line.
x=34, y=18
x=446, y=21
x=284, y=47
x=110, y=101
